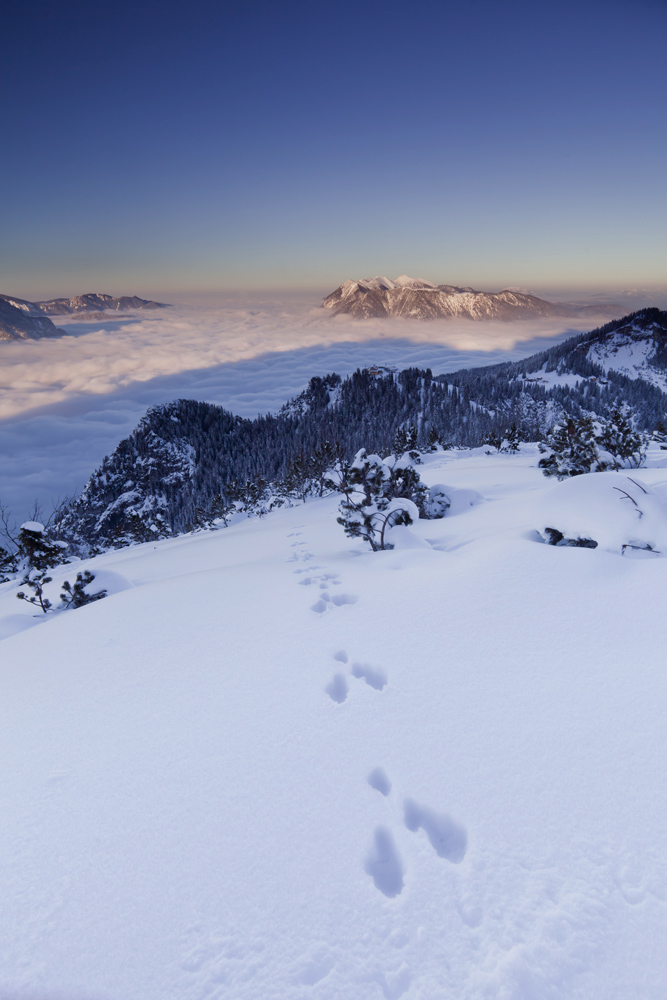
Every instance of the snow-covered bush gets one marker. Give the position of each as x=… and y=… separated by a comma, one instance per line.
x=576, y=447
x=77, y=596
x=36, y=550
x=570, y=449
x=506, y=441
x=8, y=565
x=378, y=494
x=609, y=509
x=437, y=501
x=621, y=446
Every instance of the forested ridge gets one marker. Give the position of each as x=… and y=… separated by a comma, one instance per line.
x=185, y=455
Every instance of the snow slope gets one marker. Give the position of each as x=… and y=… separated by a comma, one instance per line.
x=630, y=355
x=278, y=765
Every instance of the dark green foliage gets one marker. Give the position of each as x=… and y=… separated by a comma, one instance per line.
x=372, y=490
x=35, y=580
x=570, y=449
x=625, y=446
x=76, y=596
x=8, y=565
x=494, y=440
x=660, y=435
x=512, y=440
x=36, y=550
x=405, y=441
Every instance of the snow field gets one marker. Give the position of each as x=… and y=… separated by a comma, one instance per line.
x=280, y=765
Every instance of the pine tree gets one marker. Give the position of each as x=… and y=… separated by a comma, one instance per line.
x=76, y=596
x=378, y=494
x=8, y=565
x=433, y=439
x=405, y=440
x=512, y=440
x=36, y=550
x=494, y=440
x=323, y=459
x=660, y=435
x=220, y=509
x=35, y=579
x=618, y=439
x=571, y=449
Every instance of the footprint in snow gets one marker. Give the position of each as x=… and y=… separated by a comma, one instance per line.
x=338, y=600
x=378, y=780
x=448, y=838
x=383, y=864
x=337, y=688
x=341, y=656
x=372, y=675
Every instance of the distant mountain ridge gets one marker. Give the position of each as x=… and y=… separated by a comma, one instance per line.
x=414, y=298
x=21, y=319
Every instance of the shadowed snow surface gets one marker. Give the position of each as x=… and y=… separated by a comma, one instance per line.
x=190, y=768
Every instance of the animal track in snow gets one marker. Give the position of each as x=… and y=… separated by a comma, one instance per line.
x=372, y=675
x=448, y=839
x=337, y=688
x=341, y=656
x=338, y=600
x=378, y=780
x=384, y=865
x=341, y=599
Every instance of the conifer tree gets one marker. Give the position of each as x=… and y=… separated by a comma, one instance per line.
x=35, y=579
x=76, y=596
x=36, y=550
x=8, y=565
x=512, y=440
x=621, y=442
x=570, y=449
x=660, y=435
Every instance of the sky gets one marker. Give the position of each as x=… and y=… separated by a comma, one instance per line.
x=157, y=147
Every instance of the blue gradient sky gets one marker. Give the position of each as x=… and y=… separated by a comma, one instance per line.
x=159, y=147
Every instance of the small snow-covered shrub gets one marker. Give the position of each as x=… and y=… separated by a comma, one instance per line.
x=617, y=512
x=378, y=494
x=437, y=502
x=77, y=596
x=570, y=449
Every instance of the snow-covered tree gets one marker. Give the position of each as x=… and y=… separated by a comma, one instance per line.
x=405, y=441
x=660, y=435
x=76, y=596
x=624, y=446
x=570, y=449
x=35, y=580
x=36, y=550
x=512, y=440
x=437, y=502
x=371, y=504
x=8, y=565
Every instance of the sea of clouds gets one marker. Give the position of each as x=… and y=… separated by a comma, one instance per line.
x=66, y=403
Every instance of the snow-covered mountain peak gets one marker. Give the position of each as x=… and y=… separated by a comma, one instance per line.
x=415, y=298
